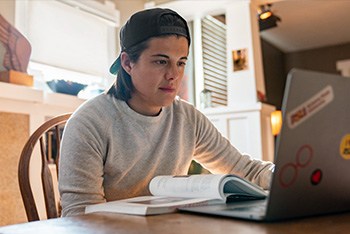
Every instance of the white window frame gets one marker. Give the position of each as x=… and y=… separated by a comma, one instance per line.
x=198, y=57
x=214, y=73
x=105, y=12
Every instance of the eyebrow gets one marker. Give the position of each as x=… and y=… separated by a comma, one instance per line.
x=166, y=56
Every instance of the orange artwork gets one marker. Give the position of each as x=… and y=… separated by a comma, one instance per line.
x=240, y=60
x=18, y=48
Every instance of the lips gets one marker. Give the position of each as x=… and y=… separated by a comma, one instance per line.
x=168, y=89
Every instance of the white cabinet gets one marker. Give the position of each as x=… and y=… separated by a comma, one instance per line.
x=247, y=127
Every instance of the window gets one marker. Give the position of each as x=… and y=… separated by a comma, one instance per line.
x=210, y=65
x=71, y=39
x=214, y=59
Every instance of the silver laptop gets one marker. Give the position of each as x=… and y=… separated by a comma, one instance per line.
x=312, y=157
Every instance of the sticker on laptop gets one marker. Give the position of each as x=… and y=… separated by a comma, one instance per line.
x=345, y=147
x=316, y=177
x=310, y=107
x=289, y=172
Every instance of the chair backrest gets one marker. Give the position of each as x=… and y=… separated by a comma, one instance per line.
x=52, y=125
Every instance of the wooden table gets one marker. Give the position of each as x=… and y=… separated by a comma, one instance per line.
x=178, y=223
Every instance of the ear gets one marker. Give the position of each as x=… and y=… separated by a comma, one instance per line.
x=125, y=62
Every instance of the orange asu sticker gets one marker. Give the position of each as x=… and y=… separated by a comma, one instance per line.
x=310, y=107
x=345, y=147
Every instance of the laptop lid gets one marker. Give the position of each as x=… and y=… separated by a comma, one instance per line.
x=312, y=157
x=312, y=174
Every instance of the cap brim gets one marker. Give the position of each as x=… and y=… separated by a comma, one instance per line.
x=115, y=66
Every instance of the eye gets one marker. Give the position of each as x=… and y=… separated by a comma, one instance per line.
x=161, y=62
x=181, y=63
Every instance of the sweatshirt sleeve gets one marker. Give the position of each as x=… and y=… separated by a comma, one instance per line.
x=81, y=166
x=218, y=155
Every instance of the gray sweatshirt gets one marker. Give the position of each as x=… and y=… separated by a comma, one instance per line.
x=110, y=152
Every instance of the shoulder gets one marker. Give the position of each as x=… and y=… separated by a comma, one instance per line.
x=99, y=110
x=182, y=106
x=97, y=104
x=188, y=110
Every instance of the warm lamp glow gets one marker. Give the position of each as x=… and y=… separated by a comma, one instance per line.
x=265, y=15
x=276, y=122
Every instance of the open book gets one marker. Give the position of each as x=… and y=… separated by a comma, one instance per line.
x=173, y=192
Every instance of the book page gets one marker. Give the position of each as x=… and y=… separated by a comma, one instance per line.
x=238, y=186
x=148, y=205
x=201, y=186
x=154, y=201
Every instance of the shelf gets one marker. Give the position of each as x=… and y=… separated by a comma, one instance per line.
x=26, y=94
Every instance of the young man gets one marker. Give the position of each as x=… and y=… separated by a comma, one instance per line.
x=114, y=144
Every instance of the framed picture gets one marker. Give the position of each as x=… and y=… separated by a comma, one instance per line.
x=240, y=60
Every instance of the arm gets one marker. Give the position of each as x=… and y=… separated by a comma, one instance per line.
x=217, y=154
x=81, y=166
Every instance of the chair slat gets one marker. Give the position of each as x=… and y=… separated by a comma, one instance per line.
x=23, y=170
x=58, y=143
x=46, y=177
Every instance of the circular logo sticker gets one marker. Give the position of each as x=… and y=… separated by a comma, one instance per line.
x=345, y=147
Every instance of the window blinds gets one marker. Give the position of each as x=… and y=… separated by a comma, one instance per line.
x=214, y=59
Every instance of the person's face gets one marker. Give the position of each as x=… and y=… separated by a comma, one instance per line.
x=157, y=75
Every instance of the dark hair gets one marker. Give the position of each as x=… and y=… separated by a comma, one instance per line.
x=123, y=87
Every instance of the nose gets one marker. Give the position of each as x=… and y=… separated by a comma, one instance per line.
x=173, y=72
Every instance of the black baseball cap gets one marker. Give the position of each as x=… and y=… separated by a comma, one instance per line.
x=144, y=25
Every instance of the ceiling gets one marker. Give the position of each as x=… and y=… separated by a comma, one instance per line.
x=305, y=24
x=309, y=24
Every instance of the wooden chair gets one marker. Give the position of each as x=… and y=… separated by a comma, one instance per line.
x=55, y=124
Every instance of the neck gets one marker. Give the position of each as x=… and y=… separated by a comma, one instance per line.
x=143, y=110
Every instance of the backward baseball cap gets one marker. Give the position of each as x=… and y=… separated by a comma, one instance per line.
x=144, y=25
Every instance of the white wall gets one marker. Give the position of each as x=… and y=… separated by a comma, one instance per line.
x=126, y=8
